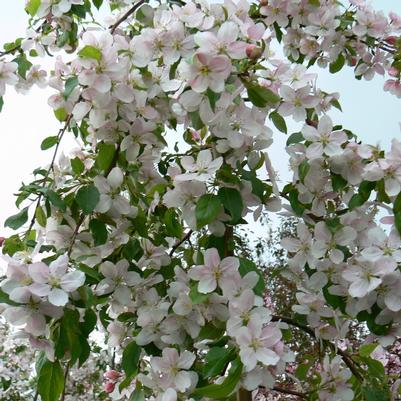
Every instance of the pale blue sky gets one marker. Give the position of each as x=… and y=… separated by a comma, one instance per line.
x=372, y=114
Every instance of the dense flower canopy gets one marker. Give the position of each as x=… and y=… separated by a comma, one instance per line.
x=137, y=237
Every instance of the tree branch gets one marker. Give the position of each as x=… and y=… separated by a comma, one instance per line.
x=345, y=356
x=51, y=166
x=180, y=242
x=126, y=15
x=289, y=391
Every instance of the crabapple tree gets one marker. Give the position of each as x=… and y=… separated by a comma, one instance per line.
x=137, y=236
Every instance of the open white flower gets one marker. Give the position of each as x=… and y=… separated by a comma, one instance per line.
x=53, y=281
x=202, y=169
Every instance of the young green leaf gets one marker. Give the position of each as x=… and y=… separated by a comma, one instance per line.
x=32, y=7
x=90, y=52
x=70, y=85
x=49, y=142
x=278, y=121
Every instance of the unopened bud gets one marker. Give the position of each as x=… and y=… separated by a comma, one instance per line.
x=109, y=387
x=253, y=52
x=2, y=239
x=394, y=72
x=352, y=61
x=391, y=40
x=264, y=2
x=112, y=375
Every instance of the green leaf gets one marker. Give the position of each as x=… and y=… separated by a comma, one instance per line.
x=5, y=299
x=97, y=3
x=32, y=7
x=23, y=65
x=17, y=220
x=79, y=10
x=338, y=182
x=77, y=166
x=303, y=170
x=40, y=216
x=231, y=199
x=213, y=98
x=366, y=349
x=376, y=394
x=87, y=198
x=356, y=201
x=130, y=362
x=196, y=296
x=296, y=205
x=49, y=142
x=106, y=153
x=278, y=121
x=397, y=222
x=216, y=359
x=90, y=52
x=223, y=390
x=246, y=266
x=51, y=381
x=70, y=85
x=173, y=226
x=207, y=209
x=61, y=114
x=296, y=137
x=315, y=3
x=99, y=231
x=261, y=96
x=301, y=371
x=12, y=245
x=1, y=103
x=338, y=64
x=55, y=200
x=196, y=121
x=70, y=335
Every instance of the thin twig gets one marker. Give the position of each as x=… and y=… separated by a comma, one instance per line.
x=180, y=242
x=126, y=15
x=51, y=167
x=345, y=356
x=75, y=233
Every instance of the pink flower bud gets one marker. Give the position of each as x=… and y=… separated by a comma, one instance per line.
x=391, y=40
x=253, y=52
x=109, y=387
x=353, y=61
x=2, y=239
x=263, y=2
x=195, y=135
x=394, y=72
x=112, y=375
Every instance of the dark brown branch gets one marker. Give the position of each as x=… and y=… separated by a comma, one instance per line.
x=180, y=242
x=345, y=356
x=289, y=391
x=126, y=15
x=75, y=233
